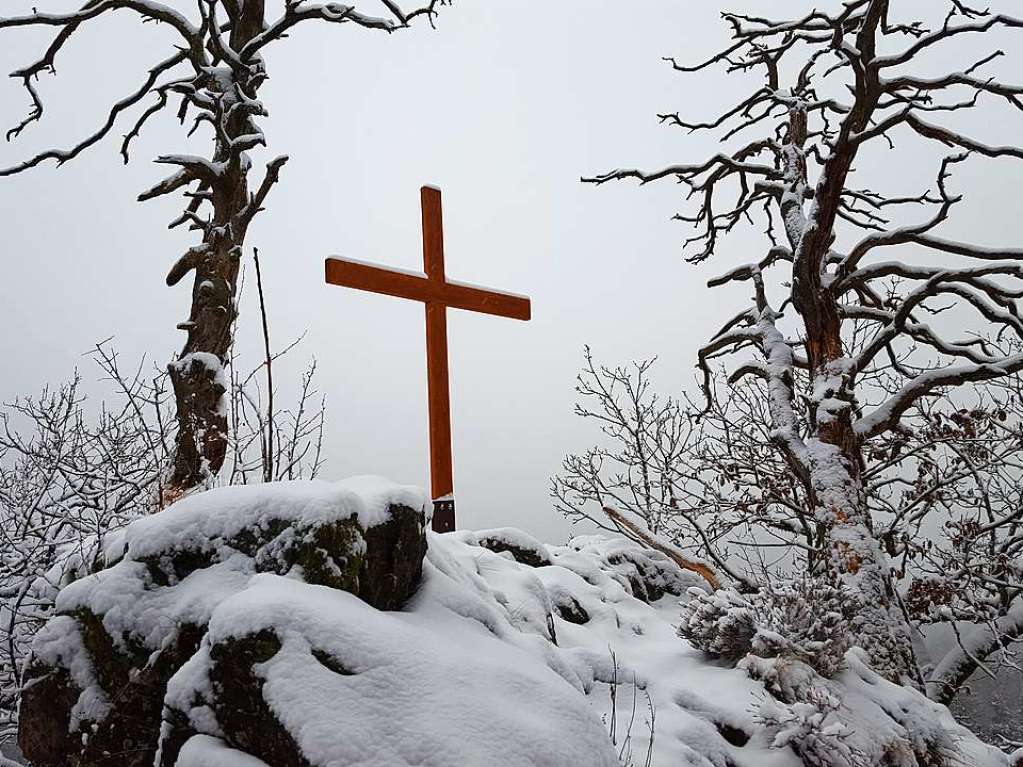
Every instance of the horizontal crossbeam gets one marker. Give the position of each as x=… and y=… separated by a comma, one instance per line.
x=418, y=287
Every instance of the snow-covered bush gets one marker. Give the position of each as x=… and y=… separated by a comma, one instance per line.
x=73, y=473
x=835, y=722
x=810, y=729
x=803, y=619
x=721, y=624
x=67, y=482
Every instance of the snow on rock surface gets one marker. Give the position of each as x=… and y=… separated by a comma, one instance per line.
x=509, y=653
x=354, y=685
x=203, y=520
x=204, y=751
x=98, y=676
x=522, y=547
x=480, y=668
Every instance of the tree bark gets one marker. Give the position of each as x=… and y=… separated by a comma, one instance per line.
x=855, y=552
x=834, y=452
x=198, y=377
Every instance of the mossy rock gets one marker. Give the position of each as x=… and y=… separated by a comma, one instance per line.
x=330, y=554
x=243, y=714
x=650, y=574
x=133, y=684
x=234, y=694
x=569, y=609
x=393, y=562
x=381, y=565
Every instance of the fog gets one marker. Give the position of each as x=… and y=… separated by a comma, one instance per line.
x=504, y=106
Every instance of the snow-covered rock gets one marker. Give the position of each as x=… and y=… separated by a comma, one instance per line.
x=521, y=546
x=96, y=680
x=509, y=653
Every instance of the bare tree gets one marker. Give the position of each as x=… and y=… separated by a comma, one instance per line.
x=646, y=479
x=835, y=85
x=639, y=466
x=945, y=495
x=68, y=479
x=214, y=66
x=73, y=474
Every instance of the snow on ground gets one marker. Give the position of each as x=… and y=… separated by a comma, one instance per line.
x=511, y=653
x=705, y=713
x=482, y=669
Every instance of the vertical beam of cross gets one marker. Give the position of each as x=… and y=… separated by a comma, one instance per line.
x=442, y=481
x=438, y=295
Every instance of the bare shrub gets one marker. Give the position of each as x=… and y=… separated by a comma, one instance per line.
x=73, y=473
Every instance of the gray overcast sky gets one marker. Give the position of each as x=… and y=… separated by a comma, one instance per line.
x=503, y=106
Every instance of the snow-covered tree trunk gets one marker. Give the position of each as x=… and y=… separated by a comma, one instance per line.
x=974, y=645
x=197, y=375
x=216, y=70
x=855, y=329
x=832, y=457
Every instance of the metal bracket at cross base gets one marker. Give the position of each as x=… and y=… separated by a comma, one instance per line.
x=444, y=515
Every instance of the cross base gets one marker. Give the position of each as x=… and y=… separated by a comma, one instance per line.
x=444, y=515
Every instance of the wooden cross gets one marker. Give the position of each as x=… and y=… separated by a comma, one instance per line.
x=438, y=294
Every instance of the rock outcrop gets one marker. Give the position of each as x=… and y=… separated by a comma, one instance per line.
x=309, y=625
x=96, y=683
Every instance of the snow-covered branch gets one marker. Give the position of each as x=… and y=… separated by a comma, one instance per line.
x=872, y=341
x=215, y=65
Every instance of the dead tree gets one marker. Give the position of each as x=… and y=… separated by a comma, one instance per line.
x=837, y=84
x=213, y=68
x=945, y=495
